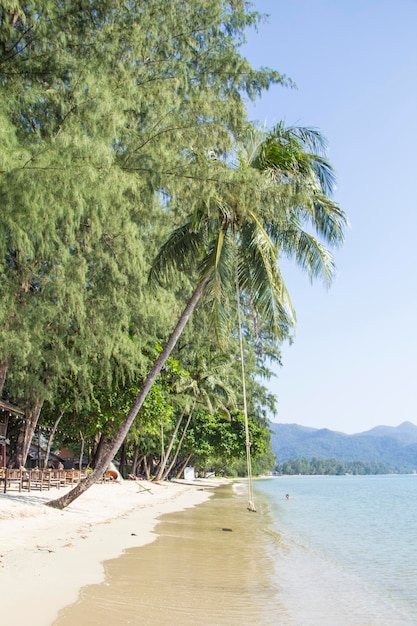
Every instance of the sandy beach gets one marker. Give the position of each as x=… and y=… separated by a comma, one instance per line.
x=47, y=556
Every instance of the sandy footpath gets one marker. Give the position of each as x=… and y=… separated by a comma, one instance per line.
x=47, y=556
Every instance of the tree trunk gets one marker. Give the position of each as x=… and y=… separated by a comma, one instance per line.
x=146, y=468
x=97, y=451
x=138, y=467
x=39, y=450
x=135, y=460
x=4, y=364
x=80, y=462
x=183, y=465
x=122, y=467
x=50, y=439
x=111, y=449
x=163, y=455
x=174, y=460
x=24, y=438
x=163, y=463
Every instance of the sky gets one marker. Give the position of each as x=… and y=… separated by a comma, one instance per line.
x=353, y=364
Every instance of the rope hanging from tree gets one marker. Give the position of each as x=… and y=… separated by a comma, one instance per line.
x=251, y=503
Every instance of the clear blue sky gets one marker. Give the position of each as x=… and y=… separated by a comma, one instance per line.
x=354, y=361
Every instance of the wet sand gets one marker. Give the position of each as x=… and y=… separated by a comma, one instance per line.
x=209, y=566
x=48, y=555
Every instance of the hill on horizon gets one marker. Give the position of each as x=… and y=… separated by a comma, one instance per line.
x=395, y=446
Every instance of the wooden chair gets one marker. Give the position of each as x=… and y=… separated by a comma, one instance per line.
x=54, y=478
x=62, y=478
x=3, y=477
x=48, y=478
x=72, y=476
x=77, y=475
x=36, y=479
x=19, y=478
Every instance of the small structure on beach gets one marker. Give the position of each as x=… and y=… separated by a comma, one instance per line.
x=189, y=473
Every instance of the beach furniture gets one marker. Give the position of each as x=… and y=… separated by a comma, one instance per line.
x=15, y=478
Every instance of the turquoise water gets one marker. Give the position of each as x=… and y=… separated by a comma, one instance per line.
x=347, y=552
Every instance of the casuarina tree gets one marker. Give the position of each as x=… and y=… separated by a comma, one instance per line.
x=100, y=103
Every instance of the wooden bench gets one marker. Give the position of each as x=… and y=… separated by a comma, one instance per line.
x=15, y=478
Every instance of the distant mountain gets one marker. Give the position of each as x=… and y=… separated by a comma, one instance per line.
x=405, y=433
x=395, y=446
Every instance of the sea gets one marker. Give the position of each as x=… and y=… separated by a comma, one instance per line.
x=347, y=553
x=339, y=551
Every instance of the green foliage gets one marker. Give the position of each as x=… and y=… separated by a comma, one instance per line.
x=217, y=444
x=264, y=464
x=258, y=211
x=119, y=127
x=101, y=105
x=333, y=467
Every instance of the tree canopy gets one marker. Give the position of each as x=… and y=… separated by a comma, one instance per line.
x=125, y=143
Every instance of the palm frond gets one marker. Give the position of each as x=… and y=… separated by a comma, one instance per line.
x=309, y=253
x=259, y=276
x=324, y=173
x=219, y=264
x=328, y=219
x=181, y=249
x=308, y=207
x=298, y=154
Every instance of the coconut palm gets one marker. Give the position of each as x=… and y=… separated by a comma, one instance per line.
x=210, y=375
x=264, y=208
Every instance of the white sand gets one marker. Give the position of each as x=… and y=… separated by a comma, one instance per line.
x=47, y=556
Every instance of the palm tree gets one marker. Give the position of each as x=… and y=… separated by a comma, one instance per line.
x=209, y=374
x=263, y=208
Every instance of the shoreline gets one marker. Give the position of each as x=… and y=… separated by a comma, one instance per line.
x=47, y=555
x=211, y=564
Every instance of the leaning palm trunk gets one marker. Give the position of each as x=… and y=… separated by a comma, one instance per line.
x=174, y=460
x=183, y=465
x=111, y=447
x=163, y=463
x=50, y=439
